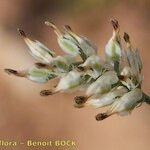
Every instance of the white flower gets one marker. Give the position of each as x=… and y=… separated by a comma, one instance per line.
x=107, y=98
x=37, y=49
x=127, y=102
x=93, y=66
x=39, y=75
x=73, y=80
x=124, y=105
x=103, y=83
x=70, y=81
x=87, y=46
x=67, y=83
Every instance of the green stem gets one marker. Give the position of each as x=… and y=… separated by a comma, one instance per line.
x=116, y=66
x=146, y=98
x=83, y=55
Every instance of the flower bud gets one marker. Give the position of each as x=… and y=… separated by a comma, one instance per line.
x=34, y=74
x=68, y=46
x=134, y=60
x=41, y=75
x=93, y=65
x=115, y=82
x=37, y=49
x=113, y=48
x=127, y=72
x=93, y=61
x=62, y=64
x=66, y=42
x=87, y=46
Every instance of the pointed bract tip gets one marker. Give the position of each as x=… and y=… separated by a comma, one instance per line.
x=79, y=100
x=41, y=65
x=46, y=92
x=47, y=23
x=67, y=27
x=51, y=24
x=101, y=116
x=11, y=71
x=21, y=32
x=114, y=23
x=126, y=37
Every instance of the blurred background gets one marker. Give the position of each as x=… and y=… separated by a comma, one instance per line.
x=26, y=115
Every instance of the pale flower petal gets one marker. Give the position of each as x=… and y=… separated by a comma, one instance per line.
x=113, y=50
x=103, y=83
x=68, y=46
x=85, y=44
x=70, y=81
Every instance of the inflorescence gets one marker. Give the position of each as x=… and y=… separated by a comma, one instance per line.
x=114, y=82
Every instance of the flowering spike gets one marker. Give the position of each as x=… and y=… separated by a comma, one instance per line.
x=114, y=82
